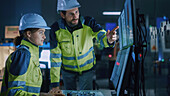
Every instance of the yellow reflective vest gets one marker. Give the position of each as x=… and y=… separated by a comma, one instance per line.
x=72, y=49
x=22, y=75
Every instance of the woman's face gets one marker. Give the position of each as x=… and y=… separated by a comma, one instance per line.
x=37, y=37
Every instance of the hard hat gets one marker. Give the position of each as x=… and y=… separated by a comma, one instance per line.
x=64, y=5
x=32, y=20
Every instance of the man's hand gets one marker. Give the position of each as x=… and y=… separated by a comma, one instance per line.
x=111, y=35
x=49, y=94
x=56, y=92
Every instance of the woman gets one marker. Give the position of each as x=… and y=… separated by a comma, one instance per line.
x=22, y=75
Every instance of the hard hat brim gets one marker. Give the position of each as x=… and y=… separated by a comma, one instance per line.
x=69, y=8
x=45, y=27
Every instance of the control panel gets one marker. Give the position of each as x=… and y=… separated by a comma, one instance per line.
x=82, y=93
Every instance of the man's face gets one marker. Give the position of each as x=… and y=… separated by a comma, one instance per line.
x=72, y=17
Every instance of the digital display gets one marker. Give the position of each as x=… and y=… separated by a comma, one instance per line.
x=121, y=73
x=125, y=22
x=116, y=74
x=44, y=57
x=120, y=63
x=120, y=33
x=129, y=21
x=125, y=54
x=123, y=26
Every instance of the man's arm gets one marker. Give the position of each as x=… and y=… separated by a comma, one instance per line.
x=99, y=33
x=55, y=57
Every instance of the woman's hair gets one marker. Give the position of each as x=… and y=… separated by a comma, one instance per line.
x=23, y=34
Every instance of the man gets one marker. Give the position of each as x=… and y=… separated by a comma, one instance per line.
x=71, y=43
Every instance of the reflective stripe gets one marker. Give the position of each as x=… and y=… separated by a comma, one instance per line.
x=79, y=57
x=100, y=35
x=22, y=84
x=26, y=88
x=12, y=92
x=87, y=62
x=55, y=64
x=31, y=89
x=70, y=66
x=16, y=83
x=101, y=42
x=52, y=55
x=69, y=58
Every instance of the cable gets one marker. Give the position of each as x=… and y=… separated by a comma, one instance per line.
x=142, y=42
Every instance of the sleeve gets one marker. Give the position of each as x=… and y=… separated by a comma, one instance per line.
x=98, y=32
x=17, y=77
x=55, y=56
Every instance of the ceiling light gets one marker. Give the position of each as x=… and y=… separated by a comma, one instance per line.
x=111, y=13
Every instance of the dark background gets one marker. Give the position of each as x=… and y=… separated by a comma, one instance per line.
x=12, y=10
x=157, y=80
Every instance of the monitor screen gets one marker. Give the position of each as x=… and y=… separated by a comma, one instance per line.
x=44, y=58
x=129, y=21
x=122, y=71
x=115, y=73
x=126, y=62
x=120, y=33
x=119, y=64
x=126, y=25
x=123, y=26
x=44, y=53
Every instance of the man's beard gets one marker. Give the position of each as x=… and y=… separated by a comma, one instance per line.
x=73, y=24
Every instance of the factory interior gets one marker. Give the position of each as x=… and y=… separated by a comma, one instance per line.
x=137, y=65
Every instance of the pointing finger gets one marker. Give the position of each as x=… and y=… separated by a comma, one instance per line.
x=117, y=27
x=114, y=30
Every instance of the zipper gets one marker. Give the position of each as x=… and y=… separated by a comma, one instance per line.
x=75, y=46
x=71, y=34
x=73, y=39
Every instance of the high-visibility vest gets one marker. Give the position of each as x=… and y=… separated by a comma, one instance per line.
x=74, y=51
x=27, y=80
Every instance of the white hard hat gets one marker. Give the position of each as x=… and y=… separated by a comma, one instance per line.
x=64, y=5
x=32, y=20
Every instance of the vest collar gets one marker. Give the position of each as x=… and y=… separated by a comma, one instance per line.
x=29, y=44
